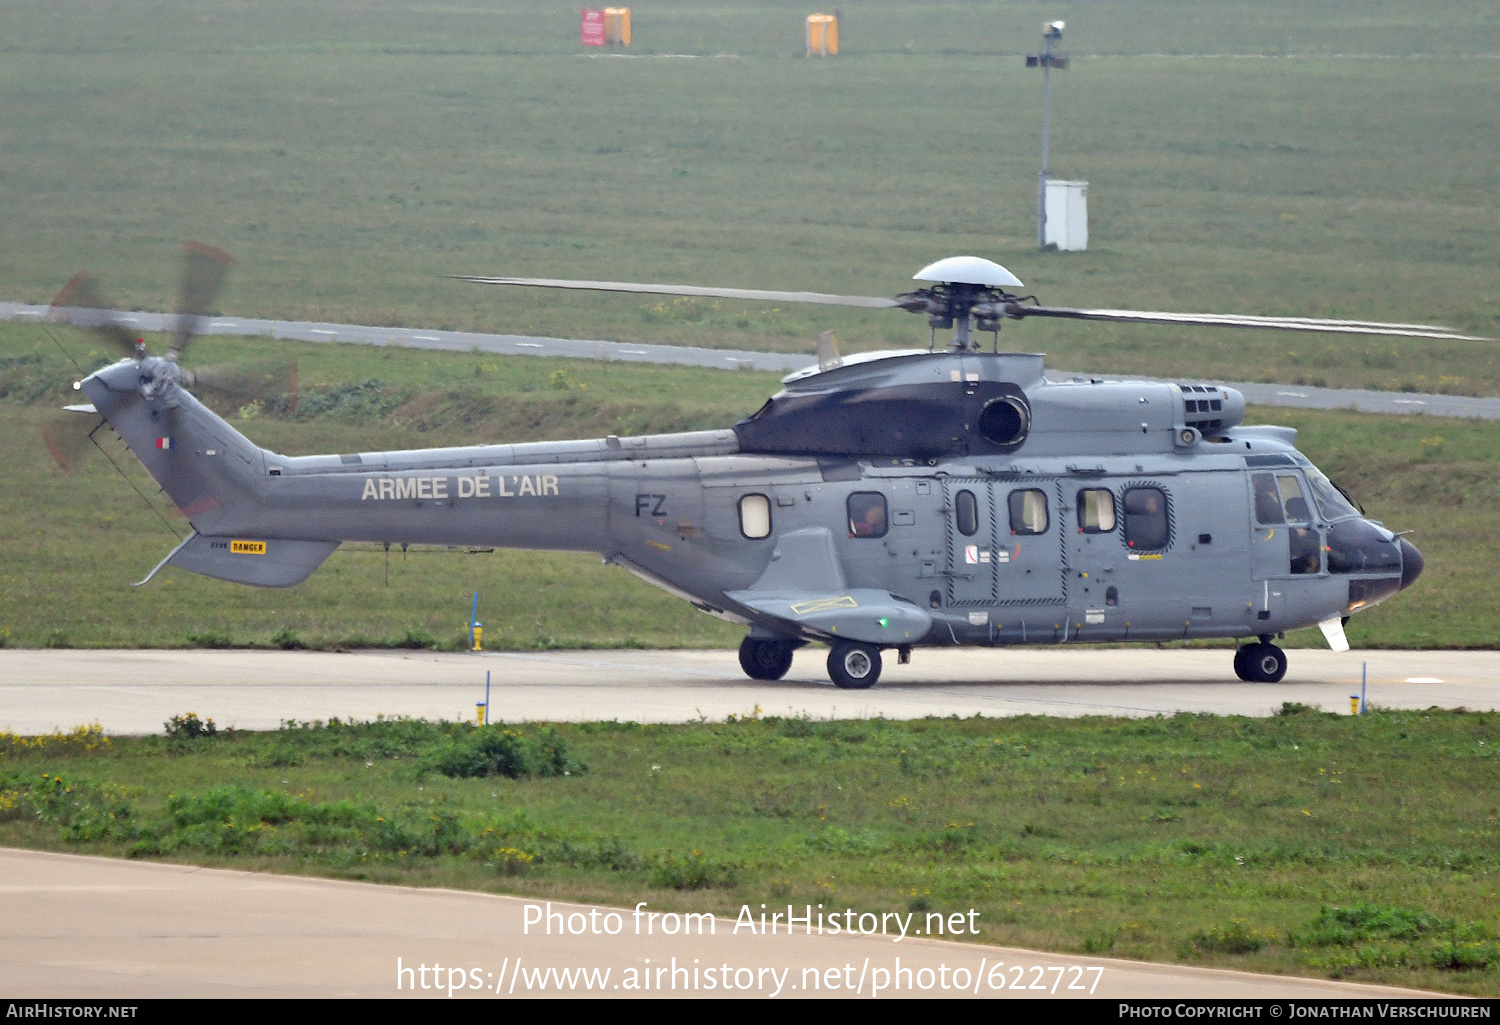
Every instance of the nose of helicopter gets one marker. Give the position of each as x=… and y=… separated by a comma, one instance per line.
x=1411, y=563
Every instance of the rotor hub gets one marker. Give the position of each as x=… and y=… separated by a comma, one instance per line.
x=158, y=378
x=964, y=307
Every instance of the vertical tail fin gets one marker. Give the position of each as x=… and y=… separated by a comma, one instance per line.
x=211, y=472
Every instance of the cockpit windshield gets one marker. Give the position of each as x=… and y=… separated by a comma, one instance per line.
x=1331, y=501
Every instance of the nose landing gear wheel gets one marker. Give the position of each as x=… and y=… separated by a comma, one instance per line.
x=1260, y=663
x=765, y=659
x=854, y=666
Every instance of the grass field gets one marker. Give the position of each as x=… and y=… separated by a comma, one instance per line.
x=75, y=542
x=1360, y=848
x=351, y=155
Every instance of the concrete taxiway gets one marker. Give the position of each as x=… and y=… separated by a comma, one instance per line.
x=134, y=692
x=80, y=927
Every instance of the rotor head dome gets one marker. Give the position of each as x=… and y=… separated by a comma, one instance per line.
x=968, y=270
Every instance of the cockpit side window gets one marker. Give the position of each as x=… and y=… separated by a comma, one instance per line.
x=1267, y=499
x=1290, y=489
x=1304, y=545
x=867, y=514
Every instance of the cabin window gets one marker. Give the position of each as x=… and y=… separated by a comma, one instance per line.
x=867, y=514
x=1028, y=512
x=755, y=516
x=1146, y=518
x=1096, y=511
x=966, y=511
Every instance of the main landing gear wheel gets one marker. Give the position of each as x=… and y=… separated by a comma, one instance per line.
x=854, y=666
x=1260, y=663
x=763, y=659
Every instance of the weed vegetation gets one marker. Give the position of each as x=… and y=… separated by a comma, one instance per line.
x=1303, y=843
x=77, y=540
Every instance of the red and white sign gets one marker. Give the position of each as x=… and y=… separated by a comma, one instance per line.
x=593, y=28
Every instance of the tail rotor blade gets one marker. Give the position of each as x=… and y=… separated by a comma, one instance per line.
x=68, y=436
x=81, y=303
x=203, y=272
x=272, y=382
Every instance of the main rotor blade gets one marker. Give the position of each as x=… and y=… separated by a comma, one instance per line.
x=81, y=303
x=1347, y=327
x=761, y=295
x=1312, y=324
x=203, y=271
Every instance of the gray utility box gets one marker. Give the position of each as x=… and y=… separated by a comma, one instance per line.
x=1067, y=215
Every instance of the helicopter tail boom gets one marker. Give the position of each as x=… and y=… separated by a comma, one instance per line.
x=266, y=519
x=211, y=472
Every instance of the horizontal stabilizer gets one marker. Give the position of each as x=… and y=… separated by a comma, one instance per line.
x=861, y=614
x=260, y=563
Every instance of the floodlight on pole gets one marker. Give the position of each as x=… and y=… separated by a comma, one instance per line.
x=1047, y=60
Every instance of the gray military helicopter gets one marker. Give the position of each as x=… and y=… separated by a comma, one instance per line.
x=881, y=501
